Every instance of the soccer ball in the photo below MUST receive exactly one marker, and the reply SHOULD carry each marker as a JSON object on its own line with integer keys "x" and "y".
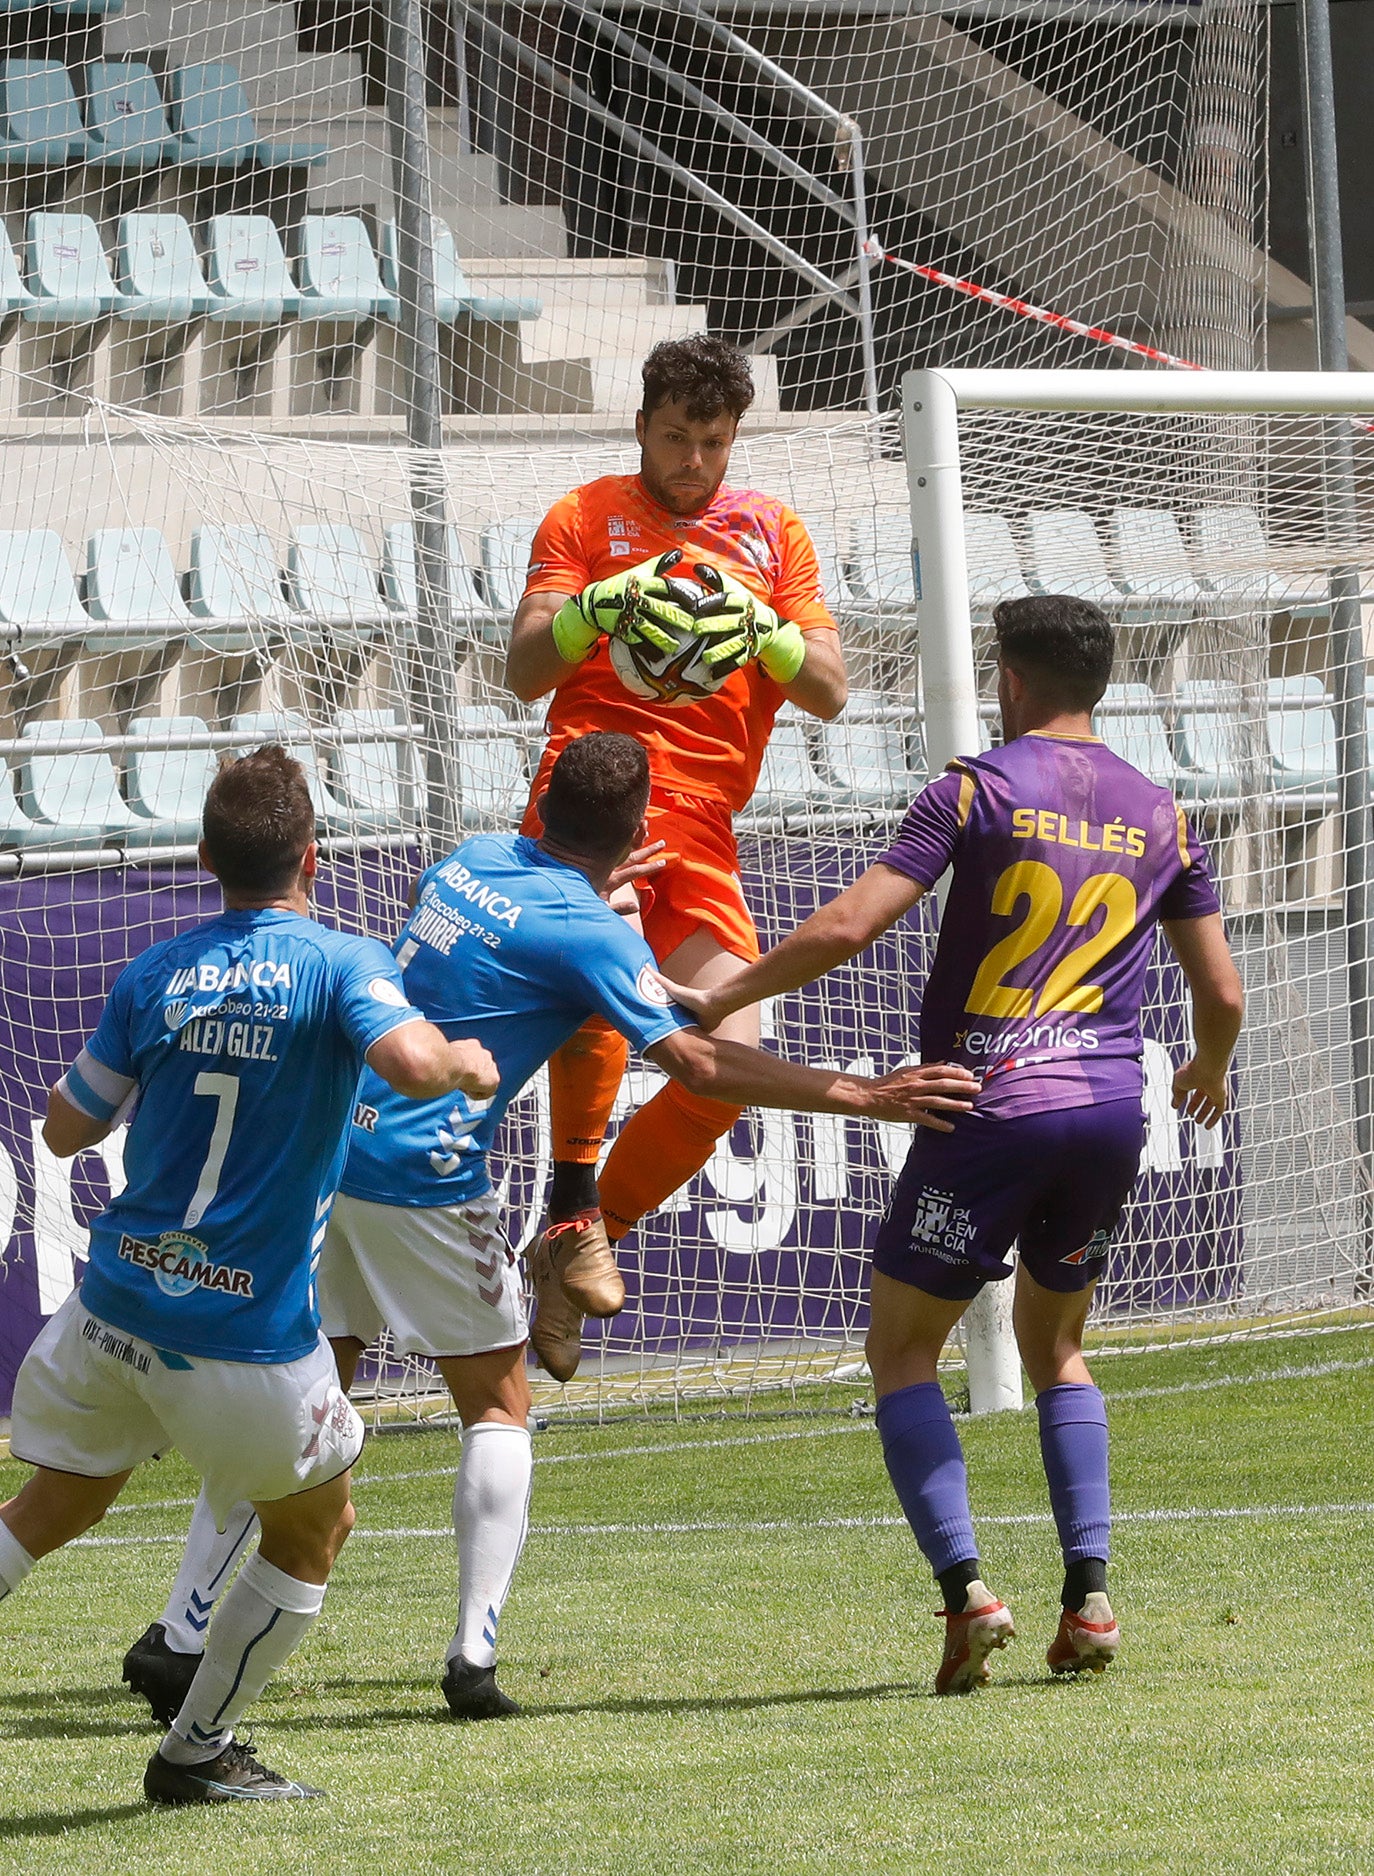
{"x": 674, "y": 677}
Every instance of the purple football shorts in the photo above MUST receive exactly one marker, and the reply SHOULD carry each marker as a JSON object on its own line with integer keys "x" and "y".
{"x": 1056, "y": 1181}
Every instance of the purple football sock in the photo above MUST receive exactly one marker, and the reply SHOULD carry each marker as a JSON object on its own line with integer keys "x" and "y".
{"x": 926, "y": 1465}
{"x": 1073, "y": 1445}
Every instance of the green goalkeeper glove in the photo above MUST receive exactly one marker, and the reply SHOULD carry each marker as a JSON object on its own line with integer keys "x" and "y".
{"x": 744, "y": 628}
{"x": 637, "y": 604}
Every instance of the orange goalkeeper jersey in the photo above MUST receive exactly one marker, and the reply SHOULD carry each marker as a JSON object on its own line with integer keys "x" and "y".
{"x": 712, "y": 747}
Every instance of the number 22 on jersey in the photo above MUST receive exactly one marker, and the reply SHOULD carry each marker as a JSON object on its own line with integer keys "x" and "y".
{"x": 1111, "y": 894}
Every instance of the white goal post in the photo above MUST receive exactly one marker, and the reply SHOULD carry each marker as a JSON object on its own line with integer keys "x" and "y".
{"x": 932, "y": 403}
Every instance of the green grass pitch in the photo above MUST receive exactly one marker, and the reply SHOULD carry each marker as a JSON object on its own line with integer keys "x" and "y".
{"x": 724, "y": 1645}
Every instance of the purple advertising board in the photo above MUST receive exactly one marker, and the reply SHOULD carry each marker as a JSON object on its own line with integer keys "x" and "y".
{"x": 766, "y": 1245}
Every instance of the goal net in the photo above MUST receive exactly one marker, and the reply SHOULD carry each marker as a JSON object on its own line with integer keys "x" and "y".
{"x": 208, "y": 371}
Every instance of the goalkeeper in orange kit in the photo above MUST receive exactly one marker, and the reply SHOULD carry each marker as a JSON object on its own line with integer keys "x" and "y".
{"x": 704, "y": 759}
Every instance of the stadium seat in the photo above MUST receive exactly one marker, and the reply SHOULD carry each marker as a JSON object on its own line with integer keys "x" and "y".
{"x": 400, "y": 581}
{"x": 453, "y": 298}
{"x": 132, "y": 591}
{"x": 1302, "y": 734}
{"x": 1066, "y": 557}
{"x": 16, "y": 829}
{"x": 234, "y": 589}
{"x": 994, "y": 566}
{"x": 158, "y": 273}
{"x": 789, "y": 781}
{"x": 72, "y": 794}
{"x": 40, "y": 120}
{"x": 332, "y": 581}
{"x": 336, "y": 273}
{"x": 250, "y": 282}
{"x": 882, "y": 569}
{"x": 214, "y": 129}
{"x": 1128, "y": 720}
{"x": 372, "y": 781}
{"x": 491, "y": 766}
{"x": 39, "y": 602}
{"x": 1237, "y": 566}
{"x": 869, "y": 760}
{"x": 69, "y": 276}
{"x": 505, "y": 558}
{"x": 1209, "y": 739}
{"x": 168, "y": 786}
{"x": 293, "y": 732}
{"x": 1152, "y": 566}
{"x": 126, "y": 125}
{"x": 14, "y": 295}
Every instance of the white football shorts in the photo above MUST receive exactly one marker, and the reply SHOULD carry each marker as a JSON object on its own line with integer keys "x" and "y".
{"x": 94, "y": 1400}
{"x": 442, "y": 1278}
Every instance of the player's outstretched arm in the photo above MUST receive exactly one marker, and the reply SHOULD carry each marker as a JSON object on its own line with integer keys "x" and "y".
{"x": 745, "y": 1077}
{"x": 420, "y": 1062}
{"x": 831, "y": 936}
{"x": 534, "y": 664}
{"x": 1199, "y": 944}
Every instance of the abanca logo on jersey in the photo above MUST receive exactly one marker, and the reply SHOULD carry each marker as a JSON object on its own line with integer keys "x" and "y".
{"x": 262, "y": 974}
{"x": 496, "y": 905}
{"x": 181, "y": 1264}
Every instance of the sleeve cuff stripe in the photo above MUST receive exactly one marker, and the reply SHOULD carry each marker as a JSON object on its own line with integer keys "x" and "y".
{"x": 80, "y": 1096}
{"x": 103, "y": 1082}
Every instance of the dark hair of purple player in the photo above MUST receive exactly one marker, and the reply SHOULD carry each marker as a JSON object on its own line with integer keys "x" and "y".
{"x": 258, "y": 821}
{"x": 1061, "y": 648}
{"x": 597, "y": 794}
{"x": 705, "y": 376}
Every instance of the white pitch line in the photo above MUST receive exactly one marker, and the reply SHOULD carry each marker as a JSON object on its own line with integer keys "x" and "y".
{"x": 1182, "y": 1514}
{"x": 1309, "y": 1371}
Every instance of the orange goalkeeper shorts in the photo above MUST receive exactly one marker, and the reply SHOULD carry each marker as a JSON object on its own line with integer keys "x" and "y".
{"x": 699, "y": 886}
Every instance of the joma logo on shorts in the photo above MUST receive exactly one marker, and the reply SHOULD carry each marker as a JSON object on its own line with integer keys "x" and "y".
{"x": 179, "y": 1266}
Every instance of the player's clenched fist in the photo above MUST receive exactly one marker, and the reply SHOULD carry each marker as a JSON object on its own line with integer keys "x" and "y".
{"x": 644, "y": 602}
{"x": 476, "y": 1070}
{"x": 744, "y": 628}
{"x": 925, "y": 1095}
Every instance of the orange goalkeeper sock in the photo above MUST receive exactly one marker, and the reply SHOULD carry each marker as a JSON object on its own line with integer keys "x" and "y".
{"x": 657, "y": 1150}
{"x": 584, "y": 1077}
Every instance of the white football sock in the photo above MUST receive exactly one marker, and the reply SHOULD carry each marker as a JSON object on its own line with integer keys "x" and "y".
{"x": 15, "y": 1561}
{"x": 206, "y": 1566}
{"x": 491, "y": 1505}
{"x": 264, "y": 1616}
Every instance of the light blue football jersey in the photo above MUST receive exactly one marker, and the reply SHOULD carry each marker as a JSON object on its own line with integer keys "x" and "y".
{"x": 243, "y": 1039}
{"x": 513, "y": 947}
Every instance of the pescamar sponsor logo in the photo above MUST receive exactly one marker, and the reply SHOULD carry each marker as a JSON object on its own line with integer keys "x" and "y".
{"x": 180, "y": 1265}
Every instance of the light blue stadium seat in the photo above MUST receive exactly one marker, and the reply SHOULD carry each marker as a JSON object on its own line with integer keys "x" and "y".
{"x": 1152, "y": 566}
{"x": 1128, "y": 720}
{"x": 453, "y": 297}
{"x": 869, "y": 760}
{"x": 132, "y": 590}
{"x": 491, "y": 767}
{"x": 1237, "y": 566}
{"x": 332, "y": 580}
{"x": 158, "y": 274}
{"x": 234, "y": 589}
{"x": 994, "y": 566}
{"x": 882, "y": 568}
{"x": 40, "y": 120}
{"x": 126, "y": 125}
{"x": 1209, "y": 738}
{"x": 293, "y": 732}
{"x": 69, "y": 276}
{"x": 1303, "y": 735}
{"x": 336, "y": 272}
{"x": 505, "y": 560}
{"x": 1066, "y": 557}
{"x": 214, "y": 127}
{"x": 400, "y": 579}
{"x": 789, "y": 782}
{"x": 250, "y": 282}
{"x": 107, "y": 7}
{"x": 16, "y": 829}
{"x": 166, "y": 786}
{"x": 72, "y": 794}
{"x": 14, "y": 295}
{"x": 39, "y": 602}
{"x": 372, "y": 781}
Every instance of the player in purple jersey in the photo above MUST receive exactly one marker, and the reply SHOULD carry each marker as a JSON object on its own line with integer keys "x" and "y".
{"x": 1064, "y": 859}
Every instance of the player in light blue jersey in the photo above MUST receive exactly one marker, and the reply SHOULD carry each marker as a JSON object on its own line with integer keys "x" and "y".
{"x": 511, "y": 942}
{"x": 237, "y": 1045}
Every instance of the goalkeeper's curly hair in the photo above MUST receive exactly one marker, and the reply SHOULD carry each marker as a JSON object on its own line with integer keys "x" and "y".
{"x": 703, "y": 374}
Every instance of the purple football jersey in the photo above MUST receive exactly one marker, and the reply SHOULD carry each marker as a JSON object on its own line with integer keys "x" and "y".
{"x": 1064, "y": 857}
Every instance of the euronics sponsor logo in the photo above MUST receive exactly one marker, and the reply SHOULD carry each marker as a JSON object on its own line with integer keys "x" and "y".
{"x": 181, "y": 1264}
